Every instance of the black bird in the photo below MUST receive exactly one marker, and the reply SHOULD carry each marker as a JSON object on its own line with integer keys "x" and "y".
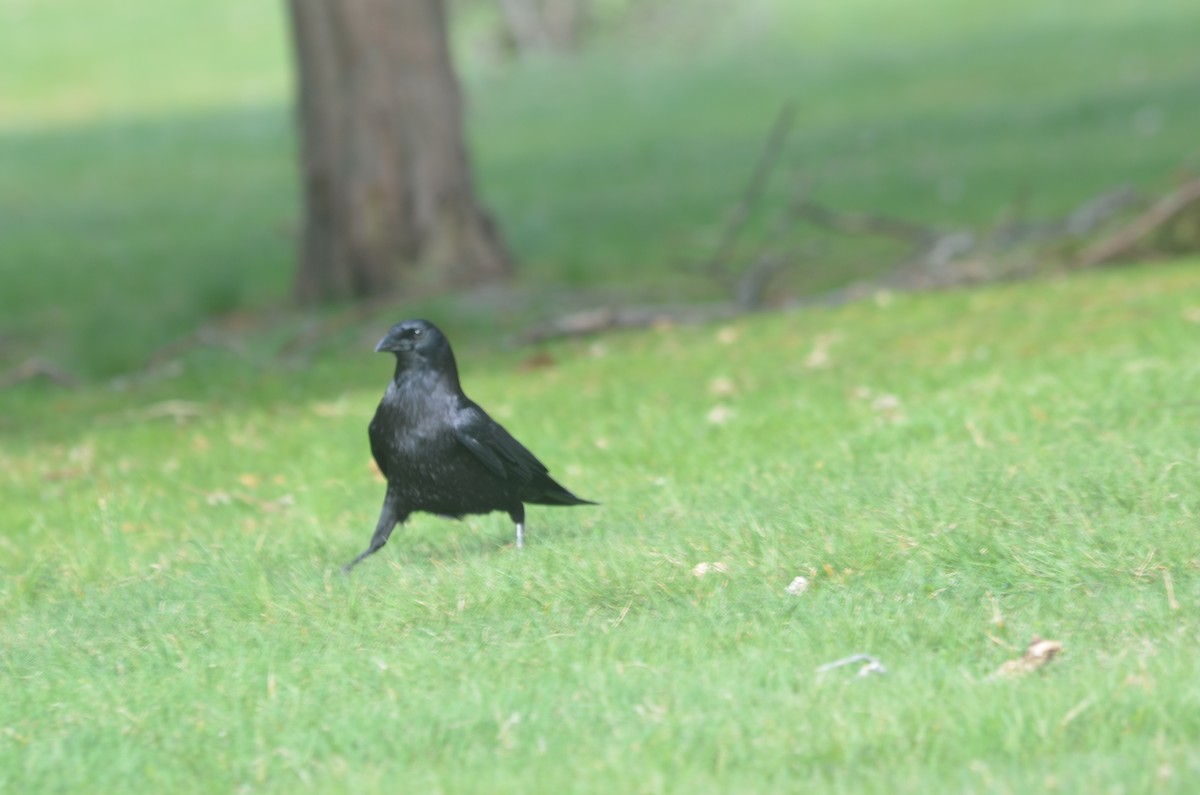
{"x": 440, "y": 452}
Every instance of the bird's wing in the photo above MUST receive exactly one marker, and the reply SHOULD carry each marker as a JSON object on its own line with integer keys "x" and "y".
{"x": 377, "y": 435}
{"x": 495, "y": 447}
{"x": 481, "y": 451}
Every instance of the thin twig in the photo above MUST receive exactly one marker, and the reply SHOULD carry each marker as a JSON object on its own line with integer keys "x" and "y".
{"x": 1169, "y": 584}
{"x": 873, "y": 665}
{"x": 1075, "y": 711}
{"x": 718, "y": 264}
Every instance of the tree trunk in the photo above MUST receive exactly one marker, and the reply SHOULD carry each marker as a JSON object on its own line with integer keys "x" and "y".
{"x": 389, "y": 203}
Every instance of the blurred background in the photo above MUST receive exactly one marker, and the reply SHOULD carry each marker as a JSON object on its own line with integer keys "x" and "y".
{"x": 630, "y": 152}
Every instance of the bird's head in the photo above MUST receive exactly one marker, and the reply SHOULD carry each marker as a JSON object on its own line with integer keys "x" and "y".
{"x": 419, "y": 345}
{"x": 412, "y": 338}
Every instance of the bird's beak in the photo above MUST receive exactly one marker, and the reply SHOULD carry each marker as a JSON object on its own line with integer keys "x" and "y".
{"x": 383, "y": 345}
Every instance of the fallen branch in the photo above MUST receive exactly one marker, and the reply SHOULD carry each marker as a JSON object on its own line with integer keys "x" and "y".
{"x": 595, "y": 321}
{"x": 717, "y": 265}
{"x": 937, "y": 260}
{"x": 1093, "y": 214}
{"x": 1123, "y": 242}
{"x": 1083, "y": 221}
{"x": 942, "y": 259}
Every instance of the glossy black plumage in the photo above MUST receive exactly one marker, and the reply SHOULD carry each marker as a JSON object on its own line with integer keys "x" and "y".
{"x": 439, "y": 451}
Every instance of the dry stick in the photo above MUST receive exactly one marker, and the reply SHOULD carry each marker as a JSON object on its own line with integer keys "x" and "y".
{"x": 739, "y": 214}
{"x": 1083, "y": 220}
{"x": 1127, "y": 237}
{"x": 937, "y": 257}
{"x": 1169, "y": 584}
{"x": 1098, "y": 210}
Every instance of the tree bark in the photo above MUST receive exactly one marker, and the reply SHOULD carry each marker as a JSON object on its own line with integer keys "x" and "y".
{"x": 389, "y": 202}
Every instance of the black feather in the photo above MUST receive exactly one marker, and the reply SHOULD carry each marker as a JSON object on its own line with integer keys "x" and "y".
{"x": 439, "y": 451}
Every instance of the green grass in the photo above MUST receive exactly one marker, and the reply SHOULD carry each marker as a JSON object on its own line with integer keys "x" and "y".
{"x": 953, "y": 473}
{"x": 148, "y": 183}
{"x": 174, "y": 618}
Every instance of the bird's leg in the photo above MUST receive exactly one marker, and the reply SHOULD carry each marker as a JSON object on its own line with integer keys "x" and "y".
{"x": 388, "y": 518}
{"x": 518, "y": 516}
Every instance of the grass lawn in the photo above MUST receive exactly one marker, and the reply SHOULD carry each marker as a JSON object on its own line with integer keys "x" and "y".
{"x": 952, "y": 473}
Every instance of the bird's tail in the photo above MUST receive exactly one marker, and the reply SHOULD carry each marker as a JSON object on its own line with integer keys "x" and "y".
{"x": 553, "y": 493}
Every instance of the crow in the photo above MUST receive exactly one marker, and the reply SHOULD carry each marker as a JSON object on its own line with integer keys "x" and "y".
{"x": 439, "y": 451}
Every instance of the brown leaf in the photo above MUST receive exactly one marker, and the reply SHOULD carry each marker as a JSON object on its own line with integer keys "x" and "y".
{"x": 1037, "y": 655}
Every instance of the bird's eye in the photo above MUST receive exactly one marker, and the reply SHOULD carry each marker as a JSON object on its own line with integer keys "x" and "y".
{"x": 418, "y": 332}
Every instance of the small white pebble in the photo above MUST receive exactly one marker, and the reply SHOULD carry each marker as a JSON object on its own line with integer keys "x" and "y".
{"x": 798, "y": 586}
